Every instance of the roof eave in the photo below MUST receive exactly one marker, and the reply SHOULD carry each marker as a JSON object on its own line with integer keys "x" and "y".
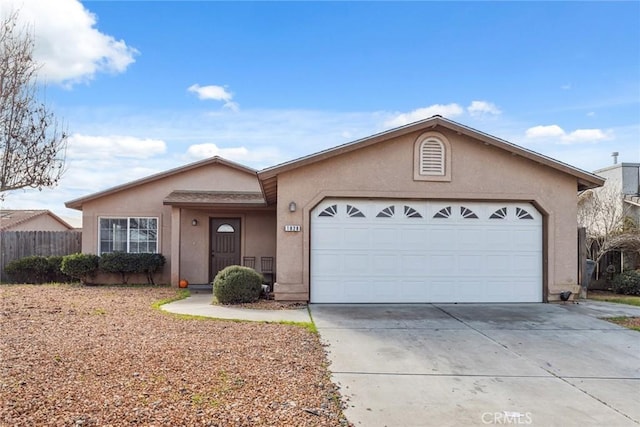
{"x": 77, "y": 203}
{"x": 585, "y": 179}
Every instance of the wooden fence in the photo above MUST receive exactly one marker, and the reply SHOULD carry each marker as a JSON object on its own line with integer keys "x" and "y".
{"x": 19, "y": 244}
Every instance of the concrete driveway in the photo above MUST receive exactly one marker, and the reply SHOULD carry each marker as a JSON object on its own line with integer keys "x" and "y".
{"x": 483, "y": 364}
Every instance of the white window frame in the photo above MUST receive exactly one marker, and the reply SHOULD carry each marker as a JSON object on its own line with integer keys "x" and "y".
{"x": 430, "y": 140}
{"x": 128, "y": 232}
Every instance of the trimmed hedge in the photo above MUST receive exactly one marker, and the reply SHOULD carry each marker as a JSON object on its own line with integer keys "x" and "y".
{"x": 31, "y": 269}
{"x": 80, "y": 266}
{"x": 237, "y": 284}
{"x": 627, "y": 283}
{"x": 125, "y": 264}
{"x": 55, "y": 270}
{"x": 40, "y": 269}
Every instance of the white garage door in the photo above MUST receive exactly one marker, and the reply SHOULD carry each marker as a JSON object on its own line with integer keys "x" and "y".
{"x": 368, "y": 251}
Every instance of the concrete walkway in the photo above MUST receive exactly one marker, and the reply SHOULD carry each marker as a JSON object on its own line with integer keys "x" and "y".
{"x": 199, "y": 304}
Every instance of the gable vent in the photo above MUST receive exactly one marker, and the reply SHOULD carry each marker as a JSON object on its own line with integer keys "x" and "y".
{"x": 432, "y": 157}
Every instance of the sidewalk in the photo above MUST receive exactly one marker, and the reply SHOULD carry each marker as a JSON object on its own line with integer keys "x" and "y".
{"x": 199, "y": 304}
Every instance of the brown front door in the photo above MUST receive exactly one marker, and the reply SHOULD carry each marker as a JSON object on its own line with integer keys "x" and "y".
{"x": 224, "y": 243}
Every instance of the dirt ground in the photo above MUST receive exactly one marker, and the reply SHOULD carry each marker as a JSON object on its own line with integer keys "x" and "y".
{"x": 93, "y": 356}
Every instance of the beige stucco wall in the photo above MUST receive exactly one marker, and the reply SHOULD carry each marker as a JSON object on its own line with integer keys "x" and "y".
{"x": 40, "y": 223}
{"x": 147, "y": 200}
{"x": 257, "y": 239}
{"x": 385, "y": 170}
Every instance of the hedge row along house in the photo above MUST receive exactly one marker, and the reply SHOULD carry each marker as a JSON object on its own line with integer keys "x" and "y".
{"x": 433, "y": 211}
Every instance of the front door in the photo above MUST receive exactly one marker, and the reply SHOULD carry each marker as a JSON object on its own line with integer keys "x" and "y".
{"x": 224, "y": 244}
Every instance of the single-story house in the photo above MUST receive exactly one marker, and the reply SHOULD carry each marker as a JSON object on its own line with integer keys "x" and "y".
{"x": 32, "y": 220}
{"x": 433, "y": 211}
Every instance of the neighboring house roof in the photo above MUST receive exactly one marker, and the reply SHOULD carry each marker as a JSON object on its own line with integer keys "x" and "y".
{"x": 632, "y": 200}
{"x": 268, "y": 176}
{"x": 77, "y": 203}
{"x": 12, "y": 218}
{"x": 215, "y": 198}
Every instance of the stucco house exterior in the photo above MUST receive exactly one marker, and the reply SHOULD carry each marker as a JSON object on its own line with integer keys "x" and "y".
{"x": 624, "y": 178}
{"x": 32, "y": 220}
{"x": 433, "y": 211}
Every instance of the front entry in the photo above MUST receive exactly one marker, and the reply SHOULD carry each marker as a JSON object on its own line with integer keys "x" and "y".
{"x": 224, "y": 244}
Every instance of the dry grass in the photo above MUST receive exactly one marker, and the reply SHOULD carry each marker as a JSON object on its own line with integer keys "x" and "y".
{"x": 85, "y": 356}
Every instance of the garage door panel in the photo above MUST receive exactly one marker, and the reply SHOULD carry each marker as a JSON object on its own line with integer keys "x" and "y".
{"x": 470, "y": 239}
{"x": 356, "y": 263}
{"x": 442, "y": 263}
{"x": 385, "y": 264}
{"x": 355, "y": 289}
{"x": 470, "y": 264}
{"x": 356, "y": 237}
{"x": 384, "y": 236}
{"x": 412, "y": 264}
{"x": 421, "y": 251}
{"x": 329, "y": 263}
{"x": 440, "y": 238}
{"x": 411, "y": 236}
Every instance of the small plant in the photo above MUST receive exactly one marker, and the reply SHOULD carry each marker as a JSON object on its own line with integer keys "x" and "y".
{"x": 80, "y": 266}
{"x": 236, "y": 284}
{"x": 627, "y": 283}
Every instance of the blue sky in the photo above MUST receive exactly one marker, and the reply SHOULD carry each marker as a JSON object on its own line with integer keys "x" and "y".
{"x": 145, "y": 86}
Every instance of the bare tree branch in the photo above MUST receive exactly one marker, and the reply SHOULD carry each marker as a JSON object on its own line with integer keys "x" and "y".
{"x": 32, "y": 146}
{"x": 605, "y": 216}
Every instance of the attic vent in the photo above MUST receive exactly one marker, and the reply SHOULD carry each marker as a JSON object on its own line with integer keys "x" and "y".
{"x": 432, "y": 157}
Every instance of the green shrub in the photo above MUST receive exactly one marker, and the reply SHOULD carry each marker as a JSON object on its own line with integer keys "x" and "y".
{"x": 125, "y": 264}
{"x": 121, "y": 263}
{"x": 627, "y": 283}
{"x": 55, "y": 270}
{"x": 149, "y": 264}
{"x": 31, "y": 269}
{"x": 80, "y": 266}
{"x": 237, "y": 284}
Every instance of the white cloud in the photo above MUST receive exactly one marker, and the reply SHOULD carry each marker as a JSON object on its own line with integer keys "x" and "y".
{"x": 586, "y": 135}
{"x": 448, "y": 111}
{"x": 216, "y": 93}
{"x": 265, "y": 155}
{"x": 566, "y": 86}
{"x": 480, "y": 108}
{"x": 576, "y": 136}
{"x": 87, "y": 146}
{"x": 67, "y": 43}
{"x": 551, "y": 131}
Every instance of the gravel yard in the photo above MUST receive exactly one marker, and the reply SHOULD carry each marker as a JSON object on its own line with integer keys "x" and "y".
{"x": 89, "y": 356}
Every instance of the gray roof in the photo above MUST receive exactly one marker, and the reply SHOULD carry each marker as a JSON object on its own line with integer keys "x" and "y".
{"x": 12, "y": 218}
{"x": 215, "y": 198}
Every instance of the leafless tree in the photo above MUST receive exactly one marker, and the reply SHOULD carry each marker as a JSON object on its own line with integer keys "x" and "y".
{"x": 605, "y": 216}
{"x": 32, "y": 146}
